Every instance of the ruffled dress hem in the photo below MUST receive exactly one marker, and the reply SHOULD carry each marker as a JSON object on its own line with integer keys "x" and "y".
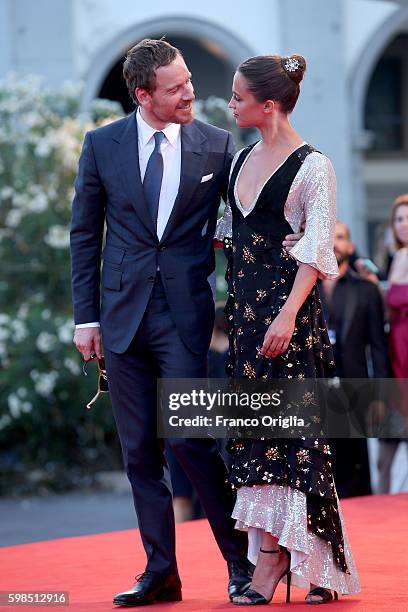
{"x": 282, "y": 512}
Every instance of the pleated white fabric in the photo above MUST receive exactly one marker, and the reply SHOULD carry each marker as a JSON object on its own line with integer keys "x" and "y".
{"x": 281, "y": 511}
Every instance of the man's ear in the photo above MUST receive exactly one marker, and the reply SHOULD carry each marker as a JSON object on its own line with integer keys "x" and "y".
{"x": 143, "y": 96}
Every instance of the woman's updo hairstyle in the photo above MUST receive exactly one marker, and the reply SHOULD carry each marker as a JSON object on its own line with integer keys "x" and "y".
{"x": 274, "y": 77}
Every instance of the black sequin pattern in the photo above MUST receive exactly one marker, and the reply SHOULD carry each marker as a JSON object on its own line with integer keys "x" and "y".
{"x": 260, "y": 276}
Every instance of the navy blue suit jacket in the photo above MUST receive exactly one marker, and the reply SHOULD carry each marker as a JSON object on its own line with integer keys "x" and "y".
{"x": 108, "y": 192}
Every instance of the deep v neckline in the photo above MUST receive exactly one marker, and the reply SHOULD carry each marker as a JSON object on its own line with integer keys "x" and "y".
{"x": 245, "y": 211}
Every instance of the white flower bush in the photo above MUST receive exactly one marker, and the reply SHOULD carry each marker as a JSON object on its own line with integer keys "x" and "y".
{"x": 45, "y": 342}
{"x": 57, "y": 237}
{"x": 42, "y": 392}
{"x": 215, "y": 110}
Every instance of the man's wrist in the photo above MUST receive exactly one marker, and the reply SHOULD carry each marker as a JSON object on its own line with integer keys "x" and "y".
{"x": 85, "y": 325}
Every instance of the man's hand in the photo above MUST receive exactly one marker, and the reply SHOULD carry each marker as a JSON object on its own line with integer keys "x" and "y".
{"x": 292, "y": 239}
{"x": 88, "y": 342}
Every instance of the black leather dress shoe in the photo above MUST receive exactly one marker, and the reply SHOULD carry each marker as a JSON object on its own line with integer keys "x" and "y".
{"x": 240, "y": 575}
{"x": 151, "y": 587}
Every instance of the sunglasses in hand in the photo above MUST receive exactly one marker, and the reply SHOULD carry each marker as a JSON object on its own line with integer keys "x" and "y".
{"x": 102, "y": 380}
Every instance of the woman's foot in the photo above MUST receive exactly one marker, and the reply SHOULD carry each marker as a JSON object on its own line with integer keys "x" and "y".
{"x": 272, "y": 565}
{"x": 319, "y": 595}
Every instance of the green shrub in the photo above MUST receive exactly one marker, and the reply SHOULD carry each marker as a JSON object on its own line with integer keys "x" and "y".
{"x": 47, "y": 437}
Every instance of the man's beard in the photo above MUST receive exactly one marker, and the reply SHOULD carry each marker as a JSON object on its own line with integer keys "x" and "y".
{"x": 341, "y": 257}
{"x": 188, "y": 118}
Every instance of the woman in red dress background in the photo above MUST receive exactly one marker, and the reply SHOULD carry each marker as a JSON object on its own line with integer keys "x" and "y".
{"x": 397, "y": 301}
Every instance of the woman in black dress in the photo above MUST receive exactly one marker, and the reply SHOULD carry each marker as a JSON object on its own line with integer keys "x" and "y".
{"x": 286, "y": 497}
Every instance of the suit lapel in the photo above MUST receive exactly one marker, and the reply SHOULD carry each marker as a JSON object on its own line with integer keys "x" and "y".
{"x": 351, "y": 305}
{"x": 126, "y": 158}
{"x": 194, "y": 153}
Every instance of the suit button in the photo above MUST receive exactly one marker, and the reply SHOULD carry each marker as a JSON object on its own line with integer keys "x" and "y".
{"x": 163, "y": 248}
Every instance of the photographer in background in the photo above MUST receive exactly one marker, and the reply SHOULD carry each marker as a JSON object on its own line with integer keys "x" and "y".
{"x": 354, "y": 314}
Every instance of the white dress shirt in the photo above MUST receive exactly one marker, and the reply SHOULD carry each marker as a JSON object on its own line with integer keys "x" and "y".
{"x": 170, "y": 149}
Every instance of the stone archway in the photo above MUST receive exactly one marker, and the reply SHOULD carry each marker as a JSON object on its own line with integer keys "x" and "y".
{"x": 364, "y": 65}
{"x": 223, "y": 45}
{"x": 358, "y": 81}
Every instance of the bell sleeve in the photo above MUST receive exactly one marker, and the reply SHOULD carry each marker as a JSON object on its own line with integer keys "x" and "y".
{"x": 318, "y": 199}
{"x": 224, "y": 225}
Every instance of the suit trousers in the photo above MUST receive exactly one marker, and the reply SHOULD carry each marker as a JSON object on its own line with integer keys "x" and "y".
{"x": 158, "y": 351}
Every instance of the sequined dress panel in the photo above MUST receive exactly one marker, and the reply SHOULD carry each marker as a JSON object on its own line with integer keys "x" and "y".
{"x": 260, "y": 275}
{"x": 282, "y": 511}
{"x": 312, "y": 194}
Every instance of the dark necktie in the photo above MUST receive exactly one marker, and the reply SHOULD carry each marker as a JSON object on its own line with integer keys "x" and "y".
{"x": 153, "y": 177}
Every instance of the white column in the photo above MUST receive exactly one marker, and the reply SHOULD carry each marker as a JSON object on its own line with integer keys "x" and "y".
{"x": 41, "y": 39}
{"x": 316, "y": 30}
{"x": 5, "y": 38}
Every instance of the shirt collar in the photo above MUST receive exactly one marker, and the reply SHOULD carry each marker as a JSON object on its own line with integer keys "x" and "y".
{"x": 347, "y": 277}
{"x": 146, "y": 131}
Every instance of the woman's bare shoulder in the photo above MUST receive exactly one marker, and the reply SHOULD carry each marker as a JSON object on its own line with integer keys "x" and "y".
{"x": 399, "y": 267}
{"x": 401, "y": 256}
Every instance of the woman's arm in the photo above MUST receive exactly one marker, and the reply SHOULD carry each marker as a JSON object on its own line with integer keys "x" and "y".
{"x": 280, "y": 331}
{"x": 314, "y": 252}
{"x": 317, "y": 197}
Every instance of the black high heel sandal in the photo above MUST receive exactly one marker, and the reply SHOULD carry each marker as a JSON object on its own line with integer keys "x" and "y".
{"x": 325, "y": 595}
{"x": 255, "y": 598}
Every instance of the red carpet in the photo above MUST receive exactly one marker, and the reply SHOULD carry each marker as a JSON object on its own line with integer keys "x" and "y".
{"x": 93, "y": 568}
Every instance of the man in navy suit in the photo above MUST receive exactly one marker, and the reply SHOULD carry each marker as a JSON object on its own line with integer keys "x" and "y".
{"x": 154, "y": 179}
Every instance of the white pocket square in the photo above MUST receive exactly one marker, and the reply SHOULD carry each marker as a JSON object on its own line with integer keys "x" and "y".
{"x": 207, "y": 177}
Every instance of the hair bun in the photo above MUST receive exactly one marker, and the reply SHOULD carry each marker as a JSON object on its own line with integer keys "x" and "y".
{"x": 294, "y": 66}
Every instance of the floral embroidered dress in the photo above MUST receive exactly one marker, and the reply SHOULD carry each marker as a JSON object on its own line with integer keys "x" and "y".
{"x": 285, "y": 486}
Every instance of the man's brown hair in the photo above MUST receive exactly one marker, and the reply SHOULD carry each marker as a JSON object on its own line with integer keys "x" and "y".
{"x": 142, "y": 61}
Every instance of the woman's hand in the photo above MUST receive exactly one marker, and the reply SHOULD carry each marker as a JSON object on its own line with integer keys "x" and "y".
{"x": 279, "y": 334}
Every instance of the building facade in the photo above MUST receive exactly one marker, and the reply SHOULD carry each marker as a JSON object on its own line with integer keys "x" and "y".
{"x": 354, "y": 100}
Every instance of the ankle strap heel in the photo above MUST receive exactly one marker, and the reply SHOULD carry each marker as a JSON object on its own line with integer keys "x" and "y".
{"x": 269, "y": 551}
